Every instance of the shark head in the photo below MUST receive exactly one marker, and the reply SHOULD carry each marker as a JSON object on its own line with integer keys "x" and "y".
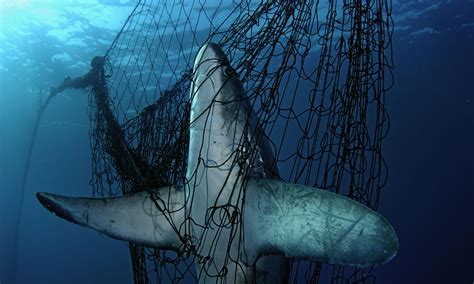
{"x": 231, "y": 169}
{"x": 220, "y": 108}
{"x": 212, "y": 73}
{"x": 219, "y": 116}
{"x": 215, "y": 83}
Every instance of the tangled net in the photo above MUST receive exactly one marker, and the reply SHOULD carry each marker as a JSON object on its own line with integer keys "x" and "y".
{"x": 316, "y": 74}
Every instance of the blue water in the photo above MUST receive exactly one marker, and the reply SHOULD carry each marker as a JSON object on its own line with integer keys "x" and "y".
{"x": 428, "y": 199}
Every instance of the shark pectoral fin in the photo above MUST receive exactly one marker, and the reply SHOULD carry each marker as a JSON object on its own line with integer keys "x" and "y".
{"x": 307, "y": 223}
{"x": 146, "y": 218}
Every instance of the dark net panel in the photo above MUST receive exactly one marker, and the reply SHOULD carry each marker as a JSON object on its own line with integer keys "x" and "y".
{"x": 317, "y": 74}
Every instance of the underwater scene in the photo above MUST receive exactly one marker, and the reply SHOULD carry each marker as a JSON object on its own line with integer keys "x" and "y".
{"x": 210, "y": 141}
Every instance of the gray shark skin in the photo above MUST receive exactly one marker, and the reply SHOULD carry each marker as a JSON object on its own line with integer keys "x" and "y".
{"x": 223, "y": 126}
{"x": 116, "y": 217}
{"x": 244, "y": 222}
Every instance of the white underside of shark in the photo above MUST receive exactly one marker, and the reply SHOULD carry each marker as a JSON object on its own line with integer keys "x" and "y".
{"x": 244, "y": 222}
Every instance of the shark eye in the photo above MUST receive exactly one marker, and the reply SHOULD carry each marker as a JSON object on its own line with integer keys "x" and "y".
{"x": 229, "y": 71}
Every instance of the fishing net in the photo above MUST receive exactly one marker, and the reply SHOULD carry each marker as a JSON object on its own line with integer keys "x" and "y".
{"x": 316, "y": 74}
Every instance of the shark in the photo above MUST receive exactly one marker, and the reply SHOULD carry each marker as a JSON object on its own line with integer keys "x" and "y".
{"x": 234, "y": 212}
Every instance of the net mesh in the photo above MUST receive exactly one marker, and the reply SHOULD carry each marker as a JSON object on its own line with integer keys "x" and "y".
{"x": 316, "y": 74}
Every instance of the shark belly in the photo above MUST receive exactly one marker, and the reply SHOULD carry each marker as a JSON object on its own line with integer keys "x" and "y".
{"x": 222, "y": 130}
{"x": 214, "y": 191}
